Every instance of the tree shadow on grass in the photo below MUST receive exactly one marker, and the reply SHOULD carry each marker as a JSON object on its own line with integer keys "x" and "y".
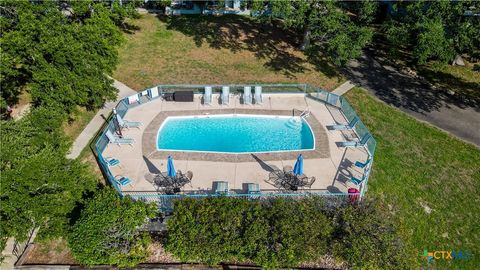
{"x": 402, "y": 90}
{"x": 239, "y": 33}
{"x": 129, "y": 28}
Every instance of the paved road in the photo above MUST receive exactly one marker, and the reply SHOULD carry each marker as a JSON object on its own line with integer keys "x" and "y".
{"x": 413, "y": 95}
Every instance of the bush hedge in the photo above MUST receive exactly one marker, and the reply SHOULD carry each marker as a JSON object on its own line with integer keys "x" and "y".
{"x": 107, "y": 231}
{"x": 281, "y": 233}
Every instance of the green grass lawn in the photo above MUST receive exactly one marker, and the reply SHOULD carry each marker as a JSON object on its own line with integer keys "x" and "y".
{"x": 79, "y": 120}
{"x": 216, "y": 50}
{"x": 419, "y": 166}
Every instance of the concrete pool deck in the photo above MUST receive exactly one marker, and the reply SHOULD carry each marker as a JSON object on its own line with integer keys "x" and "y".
{"x": 332, "y": 166}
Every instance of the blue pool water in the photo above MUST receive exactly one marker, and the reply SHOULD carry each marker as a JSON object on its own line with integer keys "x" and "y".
{"x": 235, "y": 134}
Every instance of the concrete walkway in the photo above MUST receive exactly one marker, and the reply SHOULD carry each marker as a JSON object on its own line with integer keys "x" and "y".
{"x": 92, "y": 128}
{"x": 10, "y": 259}
{"x": 344, "y": 88}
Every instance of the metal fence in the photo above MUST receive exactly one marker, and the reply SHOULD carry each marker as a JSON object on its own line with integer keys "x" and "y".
{"x": 165, "y": 201}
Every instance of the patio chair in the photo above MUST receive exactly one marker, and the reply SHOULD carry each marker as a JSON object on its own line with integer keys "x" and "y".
{"x": 112, "y": 162}
{"x": 123, "y": 181}
{"x": 253, "y": 188}
{"x": 258, "y": 95}
{"x": 287, "y": 169}
{"x": 360, "y": 143}
{"x": 153, "y": 93}
{"x": 357, "y": 181}
{"x": 221, "y": 187}
{"x": 207, "y": 97}
{"x": 225, "y": 95}
{"x": 127, "y": 124}
{"x": 247, "y": 95}
{"x": 310, "y": 182}
{"x": 348, "y": 126}
{"x": 189, "y": 175}
{"x": 116, "y": 140}
{"x": 362, "y": 165}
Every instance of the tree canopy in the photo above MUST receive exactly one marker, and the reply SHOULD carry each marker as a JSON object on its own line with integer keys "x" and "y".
{"x": 435, "y": 30}
{"x": 40, "y": 186}
{"x": 61, "y": 52}
{"x": 339, "y": 28}
{"x": 107, "y": 231}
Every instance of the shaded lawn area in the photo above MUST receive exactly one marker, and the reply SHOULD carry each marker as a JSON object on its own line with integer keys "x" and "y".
{"x": 418, "y": 167}
{"x": 216, "y": 50}
{"x": 462, "y": 82}
{"x": 79, "y": 120}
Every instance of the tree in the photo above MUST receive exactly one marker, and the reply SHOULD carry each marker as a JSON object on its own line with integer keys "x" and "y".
{"x": 40, "y": 186}
{"x": 366, "y": 239}
{"x": 434, "y": 29}
{"x": 62, "y": 54}
{"x": 107, "y": 231}
{"x": 339, "y": 28}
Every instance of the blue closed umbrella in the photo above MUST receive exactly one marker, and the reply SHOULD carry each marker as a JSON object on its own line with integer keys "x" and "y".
{"x": 298, "y": 168}
{"x": 170, "y": 168}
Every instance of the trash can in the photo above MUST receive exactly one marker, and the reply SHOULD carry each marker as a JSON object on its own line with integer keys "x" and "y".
{"x": 353, "y": 194}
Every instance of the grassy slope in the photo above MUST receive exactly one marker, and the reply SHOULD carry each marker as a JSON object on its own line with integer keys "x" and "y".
{"x": 210, "y": 50}
{"x": 417, "y": 165}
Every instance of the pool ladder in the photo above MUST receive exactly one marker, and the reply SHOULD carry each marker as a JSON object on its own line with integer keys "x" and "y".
{"x": 305, "y": 113}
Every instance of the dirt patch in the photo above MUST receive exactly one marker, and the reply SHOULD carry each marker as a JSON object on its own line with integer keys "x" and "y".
{"x": 51, "y": 252}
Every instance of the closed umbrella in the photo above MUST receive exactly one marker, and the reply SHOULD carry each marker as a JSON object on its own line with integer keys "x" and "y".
{"x": 298, "y": 168}
{"x": 170, "y": 168}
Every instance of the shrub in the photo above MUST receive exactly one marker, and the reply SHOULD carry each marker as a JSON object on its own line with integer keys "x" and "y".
{"x": 366, "y": 239}
{"x": 107, "y": 231}
{"x": 207, "y": 230}
{"x": 273, "y": 234}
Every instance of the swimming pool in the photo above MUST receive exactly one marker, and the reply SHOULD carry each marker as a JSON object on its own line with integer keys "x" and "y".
{"x": 235, "y": 134}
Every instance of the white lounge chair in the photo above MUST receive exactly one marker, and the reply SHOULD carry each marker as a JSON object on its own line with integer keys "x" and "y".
{"x": 258, "y": 95}
{"x": 247, "y": 95}
{"x": 127, "y": 124}
{"x": 347, "y": 126}
{"x": 225, "y": 95}
{"x": 153, "y": 93}
{"x": 117, "y": 140}
{"x": 207, "y": 97}
{"x": 361, "y": 143}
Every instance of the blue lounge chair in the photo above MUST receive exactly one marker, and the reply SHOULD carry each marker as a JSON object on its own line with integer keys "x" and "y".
{"x": 207, "y": 97}
{"x": 112, "y": 162}
{"x": 123, "y": 181}
{"x": 258, "y": 95}
{"x": 225, "y": 95}
{"x": 253, "y": 188}
{"x": 357, "y": 181}
{"x": 127, "y": 124}
{"x": 348, "y": 126}
{"x": 362, "y": 165}
{"x": 222, "y": 187}
{"x": 117, "y": 140}
{"x": 247, "y": 95}
{"x": 360, "y": 143}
